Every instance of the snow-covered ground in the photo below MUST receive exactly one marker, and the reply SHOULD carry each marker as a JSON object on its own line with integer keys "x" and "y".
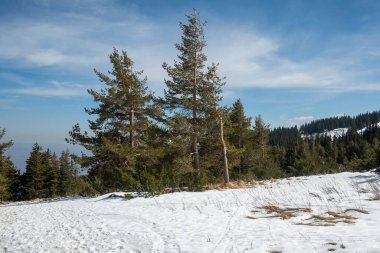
{"x": 213, "y": 221}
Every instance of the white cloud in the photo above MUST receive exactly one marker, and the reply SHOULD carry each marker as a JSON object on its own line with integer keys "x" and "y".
{"x": 253, "y": 60}
{"x": 46, "y": 58}
{"x": 299, "y": 120}
{"x": 55, "y": 89}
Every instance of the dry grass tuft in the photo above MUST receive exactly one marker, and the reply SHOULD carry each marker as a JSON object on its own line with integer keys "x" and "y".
{"x": 5, "y": 202}
{"x": 331, "y": 218}
{"x": 231, "y": 185}
{"x": 341, "y": 216}
{"x": 356, "y": 210}
{"x": 349, "y": 221}
{"x": 316, "y": 224}
{"x": 283, "y": 213}
{"x": 376, "y": 197}
{"x": 252, "y": 183}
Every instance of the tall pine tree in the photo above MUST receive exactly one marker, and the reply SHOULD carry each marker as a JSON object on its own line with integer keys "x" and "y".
{"x": 34, "y": 174}
{"x": 9, "y": 176}
{"x": 192, "y": 89}
{"x": 124, "y": 118}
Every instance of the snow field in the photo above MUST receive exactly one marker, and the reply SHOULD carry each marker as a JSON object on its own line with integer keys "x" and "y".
{"x": 211, "y": 221}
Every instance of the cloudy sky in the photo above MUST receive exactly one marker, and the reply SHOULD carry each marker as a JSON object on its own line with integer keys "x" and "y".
{"x": 290, "y": 61}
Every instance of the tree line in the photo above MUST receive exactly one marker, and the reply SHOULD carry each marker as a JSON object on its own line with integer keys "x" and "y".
{"x": 46, "y": 175}
{"x": 322, "y": 154}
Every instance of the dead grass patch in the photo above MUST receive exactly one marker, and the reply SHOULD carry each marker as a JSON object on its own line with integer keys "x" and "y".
{"x": 315, "y": 224}
{"x": 5, "y": 202}
{"x": 330, "y": 218}
{"x": 356, "y": 210}
{"x": 231, "y": 185}
{"x": 283, "y": 213}
{"x": 375, "y": 198}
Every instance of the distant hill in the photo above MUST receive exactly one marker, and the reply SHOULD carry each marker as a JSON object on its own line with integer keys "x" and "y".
{"x": 333, "y": 127}
{"x": 357, "y": 122}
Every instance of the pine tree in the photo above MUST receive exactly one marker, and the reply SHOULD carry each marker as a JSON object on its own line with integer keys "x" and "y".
{"x": 34, "y": 180}
{"x": 125, "y": 116}
{"x": 6, "y": 167}
{"x": 215, "y": 117}
{"x": 51, "y": 175}
{"x": 64, "y": 174}
{"x": 190, "y": 92}
{"x": 263, "y": 163}
{"x": 239, "y": 134}
{"x": 69, "y": 183}
{"x": 240, "y": 125}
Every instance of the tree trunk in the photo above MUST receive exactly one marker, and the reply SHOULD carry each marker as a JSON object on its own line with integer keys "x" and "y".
{"x": 195, "y": 129}
{"x": 131, "y": 123}
{"x": 225, "y": 161}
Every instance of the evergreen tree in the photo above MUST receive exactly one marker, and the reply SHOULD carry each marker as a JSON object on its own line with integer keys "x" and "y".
{"x": 239, "y": 134}
{"x": 64, "y": 174}
{"x": 215, "y": 118}
{"x": 6, "y": 170}
{"x": 263, "y": 163}
{"x": 51, "y": 175}
{"x": 34, "y": 176}
{"x": 240, "y": 125}
{"x": 125, "y": 118}
{"x": 69, "y": 182}
{"x": 192, "y": 89}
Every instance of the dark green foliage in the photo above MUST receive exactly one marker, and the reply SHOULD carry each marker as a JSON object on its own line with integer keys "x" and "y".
{"x": 69, "y": 182}
{"x": 125, "y": 133}
{"x": 48, "y": 176}
{"x": 284, "y": 137}
{"x": 239, "y": 134}
{"x": 193, "y": 93}
{"x": 354, "y": 151}
{"x": 240, "y": 126}
{"x": 192, "y": 101}
{"x": 35, "y": 165}
{"x": 9, "y": 176}
{"x": 263, "y": 165}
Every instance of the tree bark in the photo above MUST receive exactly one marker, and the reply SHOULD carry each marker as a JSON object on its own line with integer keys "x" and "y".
{"x": 225, "y": 161}
{"x": 131, "y": 124}
{"x": 195, "y": 129}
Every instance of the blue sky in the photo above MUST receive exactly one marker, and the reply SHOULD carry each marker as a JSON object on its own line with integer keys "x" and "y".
{"x": 290, "y": 61}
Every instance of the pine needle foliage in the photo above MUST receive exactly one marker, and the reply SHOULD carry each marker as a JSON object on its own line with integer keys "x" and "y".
{"x": 125, "y": 116}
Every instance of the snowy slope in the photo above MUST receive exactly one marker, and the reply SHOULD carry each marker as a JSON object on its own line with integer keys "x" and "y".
{"x": 363, "y": 130}
{"x": 211, "y": 221}
{"x": 335, "y": 133}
